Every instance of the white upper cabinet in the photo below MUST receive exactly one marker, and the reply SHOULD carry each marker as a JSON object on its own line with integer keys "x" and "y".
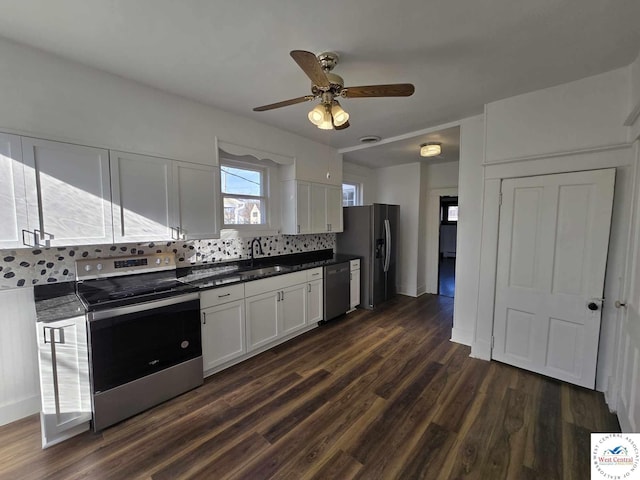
{"x": 311, "y": 208}
{"x": 196, "y": 190}
{"x": 296, "y": 207}
{"x": 143, "y": 207}
{"x": 67, "y": 192}
{"x": 13, "y": 206}
{"x": 333, "y": 202}
{"x": 160, "y": 199}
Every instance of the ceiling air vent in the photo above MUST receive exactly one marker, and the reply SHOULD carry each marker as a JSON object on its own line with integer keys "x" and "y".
{"x": 370, "y": 139}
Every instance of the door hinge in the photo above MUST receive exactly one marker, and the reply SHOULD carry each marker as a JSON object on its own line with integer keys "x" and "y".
{"x": 500, "y": 198}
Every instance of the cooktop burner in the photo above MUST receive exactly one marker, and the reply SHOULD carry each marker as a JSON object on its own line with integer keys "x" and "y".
{"x": 125, "y": 281}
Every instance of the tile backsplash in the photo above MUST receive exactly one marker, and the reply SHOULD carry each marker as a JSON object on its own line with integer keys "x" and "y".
{"x": 27, "y": 267}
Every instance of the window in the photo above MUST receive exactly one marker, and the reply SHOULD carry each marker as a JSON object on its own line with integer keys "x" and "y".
{"x": 244, "y": 194}
{"x": 350, "y": 194}
{"x": 452, "y": 213}
{"x": 449, "y": 210}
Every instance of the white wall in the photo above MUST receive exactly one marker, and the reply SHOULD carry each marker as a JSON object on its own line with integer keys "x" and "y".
{"x": 400, "y": 185}
{"x": 470, "y": 190}
{"x": 623, "y": 393}
{"x": 441, "y": 175}
{"x": 581, "y": 115}
{"x": 19, "y": 381}
{"x": 366, "y": 177}
{"x": 47, "y": 96}
{"x": 580, "y": 127}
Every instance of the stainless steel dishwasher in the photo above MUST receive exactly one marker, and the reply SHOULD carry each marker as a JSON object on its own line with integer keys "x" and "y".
{"x": 336, "y": 290}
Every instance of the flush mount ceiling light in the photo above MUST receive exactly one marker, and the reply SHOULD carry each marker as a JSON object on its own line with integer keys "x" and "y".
{"x": 430, "y": 149}
{"x": 327, "y": 86}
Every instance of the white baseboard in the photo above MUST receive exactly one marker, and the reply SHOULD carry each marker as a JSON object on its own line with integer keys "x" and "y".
{"x": 464, "y": 337}
{"x": 481, "y": 349}
{"x": 17, "y": 410}
{"x": 422, "y": 289}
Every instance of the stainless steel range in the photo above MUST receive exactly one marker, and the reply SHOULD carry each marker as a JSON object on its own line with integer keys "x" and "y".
{"x": 143, "y": 333}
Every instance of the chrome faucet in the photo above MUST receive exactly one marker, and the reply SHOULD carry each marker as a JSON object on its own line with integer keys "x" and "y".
{"x": 251, "y": 248}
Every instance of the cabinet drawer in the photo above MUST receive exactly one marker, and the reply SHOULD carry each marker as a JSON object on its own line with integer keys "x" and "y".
{"x": 218, "y": 296}
{"x": 276, "y": 282}
{"x": 314, "y": 273}
{"x": 355, "y": 264}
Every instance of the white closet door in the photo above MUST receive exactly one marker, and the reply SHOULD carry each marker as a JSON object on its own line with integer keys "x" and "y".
{"x": 552, "y": 252}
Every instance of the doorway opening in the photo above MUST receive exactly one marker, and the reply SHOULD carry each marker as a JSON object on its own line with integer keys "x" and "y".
{"x": 447, "y": 245}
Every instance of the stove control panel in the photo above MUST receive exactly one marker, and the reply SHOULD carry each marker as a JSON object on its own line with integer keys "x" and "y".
{"x": 87, "y": 269}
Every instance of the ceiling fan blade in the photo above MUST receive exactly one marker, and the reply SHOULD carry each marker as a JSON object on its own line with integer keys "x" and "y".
{"x": 343, "y": 126}
{"x": 284, "y": 103}
{"x": 309, "y": 64}
{"x": 392, "y": 90}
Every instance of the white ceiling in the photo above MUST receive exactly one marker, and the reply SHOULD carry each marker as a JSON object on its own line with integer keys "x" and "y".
{"x": 235, "y": 55}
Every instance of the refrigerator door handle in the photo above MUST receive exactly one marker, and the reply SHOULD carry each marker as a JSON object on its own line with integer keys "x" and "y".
{"x": 387, "y": 247}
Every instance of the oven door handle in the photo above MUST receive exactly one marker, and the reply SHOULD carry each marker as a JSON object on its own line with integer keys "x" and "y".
{"x": 141, "y": 307}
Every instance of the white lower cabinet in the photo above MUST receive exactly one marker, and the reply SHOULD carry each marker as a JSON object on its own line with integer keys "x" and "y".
{"x": 293, "y": 308}
{"x": 355, "y": 284}
{"x": 223, "y": 333}
{"x": 242, "y": 318}
{"x": 262, "y": 319}
{"x": 315, "y": 300}
{"x": 64, "y": 379}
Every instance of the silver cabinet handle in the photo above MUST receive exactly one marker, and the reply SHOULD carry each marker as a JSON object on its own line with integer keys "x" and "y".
{"x": 619, "y": 304}
{"x": 54, "y": 360}
{"x": 309, "y": 285}
{"x": 225, "y": 295}
{"x": 315, "y": 274}
{"x": 282, "y": 297}
{"x": 298, "y": 228}
{"x": 278, "y": 297}
{"x": 204, "y": 318}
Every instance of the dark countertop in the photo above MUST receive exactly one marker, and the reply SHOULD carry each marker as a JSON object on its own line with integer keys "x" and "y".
{"x": 59, "y": 301}
{"x": 223, "y": 274}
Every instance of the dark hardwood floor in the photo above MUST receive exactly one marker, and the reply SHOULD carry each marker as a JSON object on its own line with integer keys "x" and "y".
{"x": 375, "y": 395}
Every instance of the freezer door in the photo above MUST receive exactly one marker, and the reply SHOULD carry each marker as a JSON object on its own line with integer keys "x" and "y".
{"x": 393, "y": 217}
{"x": 378, "y": 275}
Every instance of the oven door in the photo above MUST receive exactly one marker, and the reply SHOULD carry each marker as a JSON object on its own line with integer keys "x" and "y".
{"x": 134, "y": 341}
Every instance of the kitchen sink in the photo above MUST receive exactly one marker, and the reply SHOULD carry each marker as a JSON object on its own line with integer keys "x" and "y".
{"x": 265, "y": 270}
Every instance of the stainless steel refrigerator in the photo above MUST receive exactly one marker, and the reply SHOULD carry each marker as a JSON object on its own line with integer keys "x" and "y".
{"x": 370, "y": 232}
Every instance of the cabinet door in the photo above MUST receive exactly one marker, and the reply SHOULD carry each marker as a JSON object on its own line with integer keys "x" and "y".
{"x": 196, "y": 189}
{"x": 355, "y": 288}
{"x": 64, "y": 379}
{"x": 13, "y": 206}
{"x": 315, "y": 297}
{"x": 319, "y": 222}
{"x": 262, "y": 312}
{"x": 68, "y": 193}
{"x": 303, "y": 207}
{"x": 223, "y": 335}
{"x": 334, "y": 208}
{"x": 293, "y": 308}
{"x": 143, "y": 201}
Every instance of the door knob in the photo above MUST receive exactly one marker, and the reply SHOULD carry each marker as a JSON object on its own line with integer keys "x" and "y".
{"x": 592, "y": 306}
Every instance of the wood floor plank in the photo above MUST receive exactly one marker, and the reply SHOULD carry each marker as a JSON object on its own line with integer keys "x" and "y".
{"x": 379, "y": 394}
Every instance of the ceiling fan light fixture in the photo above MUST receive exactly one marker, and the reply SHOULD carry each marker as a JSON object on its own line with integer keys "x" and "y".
{"x": 430, "y": 149}
{"x": 317, "y": 114}
{"x": 340, "y": 117}
{"x": 326, "y": 123}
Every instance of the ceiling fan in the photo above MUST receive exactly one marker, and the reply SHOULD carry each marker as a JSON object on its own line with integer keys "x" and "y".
{"x": 328, "y": 86}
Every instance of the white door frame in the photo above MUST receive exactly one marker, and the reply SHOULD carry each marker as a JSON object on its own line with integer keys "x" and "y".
{"x": 488, "y": 237}
{"x": 433, "y": 235}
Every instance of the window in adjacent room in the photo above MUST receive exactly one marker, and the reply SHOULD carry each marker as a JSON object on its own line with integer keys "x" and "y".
{"x": 350, "y": 194}
{"x": 449, "y": 210}
{"x": 244, "y": 194}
